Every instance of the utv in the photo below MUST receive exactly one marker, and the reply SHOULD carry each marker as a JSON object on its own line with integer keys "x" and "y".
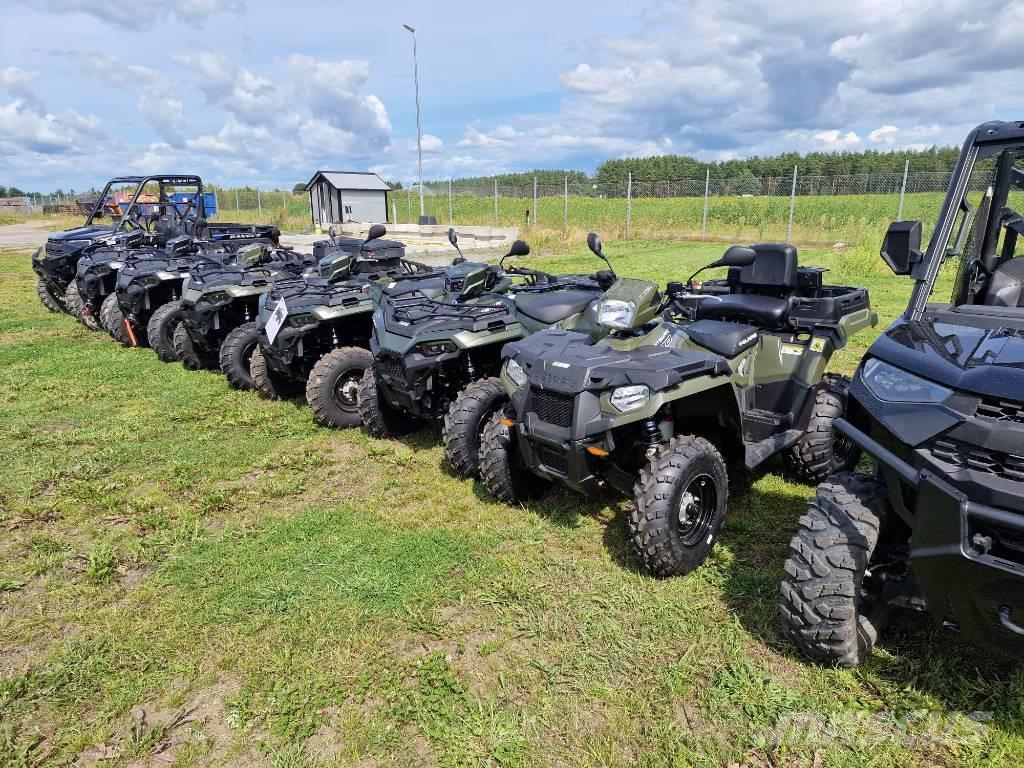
{"x": 220, "y": 303}
{"x": 156, "y": 207}
{"x": 314, "y": 330}
{"x": 657, "y": 407}
{"x": 428, "y": 349}
{"x": 938, "y": 405}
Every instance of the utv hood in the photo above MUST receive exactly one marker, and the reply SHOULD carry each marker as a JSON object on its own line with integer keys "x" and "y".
{"x": 983, "y": 361}
{"x": 80, "y": 233}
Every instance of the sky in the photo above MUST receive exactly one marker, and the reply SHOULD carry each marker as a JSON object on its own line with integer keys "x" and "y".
{"x": 265, "y": 93}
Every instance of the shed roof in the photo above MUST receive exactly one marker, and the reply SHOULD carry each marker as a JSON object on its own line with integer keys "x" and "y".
{"x": 350, "y": 180}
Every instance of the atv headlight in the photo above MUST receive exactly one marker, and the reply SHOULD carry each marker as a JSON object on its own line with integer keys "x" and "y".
{"x": 163, "y": 274}
{"x": 887, "y": 382}
{"x": 435, "y": 348}
{"x": 615, "y": 313}
{"x": 116, "y": 264}
{"x": 516, "y": 373}
{"x": 215, "y": 297}
{"x": 304, "y": 318}
{"x": 631, "y": 397}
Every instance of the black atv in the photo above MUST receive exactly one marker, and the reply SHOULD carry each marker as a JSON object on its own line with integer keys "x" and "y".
{"x": 56, "y": 263}
{"x": 314, "y": 330}
{"x": 219, "y": 306}
{"x": 938, "y": 404}
{"x": 728, "y": 370}
{"x": 146, "y": 307}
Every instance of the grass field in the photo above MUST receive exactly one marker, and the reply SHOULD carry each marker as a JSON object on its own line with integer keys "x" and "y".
{"x": 192, "y": 576}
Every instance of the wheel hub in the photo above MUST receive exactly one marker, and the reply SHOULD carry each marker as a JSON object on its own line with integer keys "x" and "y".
{"x": 696, "y": 509}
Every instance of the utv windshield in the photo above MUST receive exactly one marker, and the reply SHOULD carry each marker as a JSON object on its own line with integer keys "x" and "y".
{"x": 138, "y": 203}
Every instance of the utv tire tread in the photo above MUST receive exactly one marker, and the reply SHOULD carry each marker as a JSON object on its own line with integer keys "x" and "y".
{"x": 270, "y": 385}
{"x": 321, "y": 383}
{"x": 233, "y": 359}
{"x": 821, "y": 608}
{"x": 461, "y": 430}
{"x": 113, "y": 320}
{"x": 379, "y": 418}
{"x": 160, "y": 330}
{"x": 653, "y": 512}
{"x": 73, "y": 300}
{"x": 187, "y": 353}
{"x": 811, "y": 460}
{"x": 49, "y": 299}
{"x": 501, "y": 476}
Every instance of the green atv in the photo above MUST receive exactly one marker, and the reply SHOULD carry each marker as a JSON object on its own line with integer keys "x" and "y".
{"x": 428, "y": 349}
{"x": 657, "y": 408}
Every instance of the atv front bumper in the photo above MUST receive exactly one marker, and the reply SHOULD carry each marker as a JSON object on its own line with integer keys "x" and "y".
{"x": 409, "y": 382}
{"x": 971, "y": 583}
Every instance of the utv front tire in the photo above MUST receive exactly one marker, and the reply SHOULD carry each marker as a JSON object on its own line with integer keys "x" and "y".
{"x": 465, "y": 421}
{"x": 333, "y": 387}
{"x": 501, "y": 467}
{"x": 821, "y": 450}
{"x": 160, "y": 330}
{"x": 113, "y": 321}
{"x": 75, "y": 305}
{"x": 236, "y": 354}
{"x": 379, "y": 417}
{"x": 269, "y": 384}
{"x": 825, "y": 609}
{"x": 678, "y": 506}
{"x": 188, "y": 354}
{"x": 48, "y": 297}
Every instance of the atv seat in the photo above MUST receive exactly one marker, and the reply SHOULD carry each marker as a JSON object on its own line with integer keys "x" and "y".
{"x": 773, "y": 269}
{"x": 552, "y": 307}
{"x": 1006, "y": 286}
{"x": 744, "y": 307}
{"x": 725, "y": 339}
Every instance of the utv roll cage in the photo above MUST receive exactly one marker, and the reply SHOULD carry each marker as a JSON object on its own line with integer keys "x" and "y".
{"x": 196, "y": 207}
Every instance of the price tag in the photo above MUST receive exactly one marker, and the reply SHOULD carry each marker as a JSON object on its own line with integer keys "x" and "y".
{"x": 277, "y": 318}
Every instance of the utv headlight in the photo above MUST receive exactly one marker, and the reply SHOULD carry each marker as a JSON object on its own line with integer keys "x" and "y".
{"x": 435, "y": 348}
{"x": 887, "y": 382}
{"x": 615, "y": 313}
{"x": 631, "y": 397}
{"x": 516, "y": 373}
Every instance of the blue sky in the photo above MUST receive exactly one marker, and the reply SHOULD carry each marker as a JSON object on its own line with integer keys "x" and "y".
{"x": 264, "y": 93}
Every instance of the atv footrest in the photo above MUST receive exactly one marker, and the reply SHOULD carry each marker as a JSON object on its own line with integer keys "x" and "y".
{"x": 759, "y": 452}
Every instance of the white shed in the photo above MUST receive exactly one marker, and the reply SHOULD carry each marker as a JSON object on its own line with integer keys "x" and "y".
{"x": 338, "y": 197}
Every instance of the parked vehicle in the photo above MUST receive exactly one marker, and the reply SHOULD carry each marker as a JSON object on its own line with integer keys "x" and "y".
{"x": 938, "y": 405}
{"x": 657, "y": 408}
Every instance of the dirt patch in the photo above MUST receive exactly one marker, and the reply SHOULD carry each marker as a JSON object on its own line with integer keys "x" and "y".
{"x": 25, "y": 235}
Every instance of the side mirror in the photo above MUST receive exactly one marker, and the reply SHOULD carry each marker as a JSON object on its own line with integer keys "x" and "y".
{"x": 453, "y": 237}
{"x": 594, "y": 244}
{"x": 737, "y": 256}
{"x": 376, "y": 231}
{"x": 901, "y": 249}
{"x": 519, "y": 248}
{"x": 332, "y": 232}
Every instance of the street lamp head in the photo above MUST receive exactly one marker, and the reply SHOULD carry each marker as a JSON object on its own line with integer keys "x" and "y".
{"x": 409, "y": 28}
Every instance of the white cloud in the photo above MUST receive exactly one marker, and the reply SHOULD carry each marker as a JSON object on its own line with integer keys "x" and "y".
{"x": 21, "y": 83}
{"x": 140, "y": 17}
{"x": 23, "y": 129}
{"x": 836, "y": 140}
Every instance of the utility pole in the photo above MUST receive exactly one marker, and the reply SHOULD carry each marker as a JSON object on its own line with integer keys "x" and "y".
{"x": 419, "y": 140}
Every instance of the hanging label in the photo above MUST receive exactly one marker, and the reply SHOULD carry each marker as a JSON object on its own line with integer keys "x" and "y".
{"x": 277, "y": 318}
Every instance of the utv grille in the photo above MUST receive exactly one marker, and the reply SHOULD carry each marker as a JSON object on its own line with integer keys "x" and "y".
{"x": 53, "y": 249}
{"x": 391, "y": 367}
{"x": 1001, "y": 410}
{"x": 963, "y": 456}
{"x": 551, "y": 407}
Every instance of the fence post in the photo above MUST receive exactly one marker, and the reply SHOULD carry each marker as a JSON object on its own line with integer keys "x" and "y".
{"x": 451, "y": 219}
{"x": 394, "y": 211}
{"x": 237, "y": 206}
{"x": 903, "y": 189}
{"x": 565, "y": 206}
{"x": 259, "y": 203}
{"x": 284, "y": 200}
{"x": 534, "y": 199}
{"x": 792, "y": 203}
{"x": 408, "y": 195}
{"x": 216, "y": 205}
{"x": 704, "y": 219}
{"x": 629, "y": 206}
{"x": 495, "y": 201}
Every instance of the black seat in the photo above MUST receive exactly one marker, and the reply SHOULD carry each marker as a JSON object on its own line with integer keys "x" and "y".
{"x": 725, "y": 339}
{"x": 774, "y": 267}
{"x": 744, "y": 307}
{"x": 1006, "y": 286}
{"x": 551, "y": 307}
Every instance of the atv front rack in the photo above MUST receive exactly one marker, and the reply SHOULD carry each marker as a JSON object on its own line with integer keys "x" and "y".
{"x": 415, "y": 306}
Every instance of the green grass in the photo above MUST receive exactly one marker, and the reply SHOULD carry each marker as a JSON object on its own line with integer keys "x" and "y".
{"x": 191, "y": 572}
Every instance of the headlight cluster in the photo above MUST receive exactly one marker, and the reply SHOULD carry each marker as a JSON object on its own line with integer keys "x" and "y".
{"x": 435, "y": 348}
{"x": 615, "y": 313}
{"x": 301, "y": 319}
{"x": 630, "y": 397}
{"x": 516, "y": 373}
{"x": 217, "y": 296}
{"x": 887, "y": 382}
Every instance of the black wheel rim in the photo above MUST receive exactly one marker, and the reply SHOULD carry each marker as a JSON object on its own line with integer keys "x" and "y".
{"x": 346, "y": 390}
{"x": 842, "y": 449}
{"x": 696, "y": 510}
{"x": 247, "y": 351}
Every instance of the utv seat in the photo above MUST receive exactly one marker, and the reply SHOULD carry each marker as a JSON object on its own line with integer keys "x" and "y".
{"x": 550, "y": 308}
{"x": 725, "y": 339}
{"x": 1006, "y": 286}
{"x": 762, "y": 284}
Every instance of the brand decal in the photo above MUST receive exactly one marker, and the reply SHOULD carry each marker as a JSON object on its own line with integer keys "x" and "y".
{"x": 665, "y": 340}
{"x": 559, "y": 364}
{"x": 792, "y": 349}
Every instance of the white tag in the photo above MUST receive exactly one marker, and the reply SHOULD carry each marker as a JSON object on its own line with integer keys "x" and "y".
{"x": 559, "y": 364}
{"x": 276, "y": 320}
{"x": 792, "y": 349}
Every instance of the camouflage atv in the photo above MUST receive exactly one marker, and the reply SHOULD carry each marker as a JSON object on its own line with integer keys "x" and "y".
{"x": 657, "y": 408}
{"x": 321, "y": 321}
{"x": 428, "y": 350}
{"x": 219, "y": 305}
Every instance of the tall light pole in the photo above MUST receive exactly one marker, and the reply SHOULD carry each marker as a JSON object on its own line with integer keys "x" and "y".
{"x": 419, "y": 143}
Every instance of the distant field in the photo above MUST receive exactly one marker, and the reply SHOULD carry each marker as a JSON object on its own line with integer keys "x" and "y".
{"x": 190, "y": 575}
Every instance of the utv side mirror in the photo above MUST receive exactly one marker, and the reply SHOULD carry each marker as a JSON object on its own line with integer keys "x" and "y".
{"x": 901, "y": 249}
{"x": 737, "y": 256}
{"x": 332, "y": 232}
{"x": 376, "y": 231}
{"x": 453, "y": 237}
{"x": 519, "y": 248}
{"x": 594, "y": 244}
